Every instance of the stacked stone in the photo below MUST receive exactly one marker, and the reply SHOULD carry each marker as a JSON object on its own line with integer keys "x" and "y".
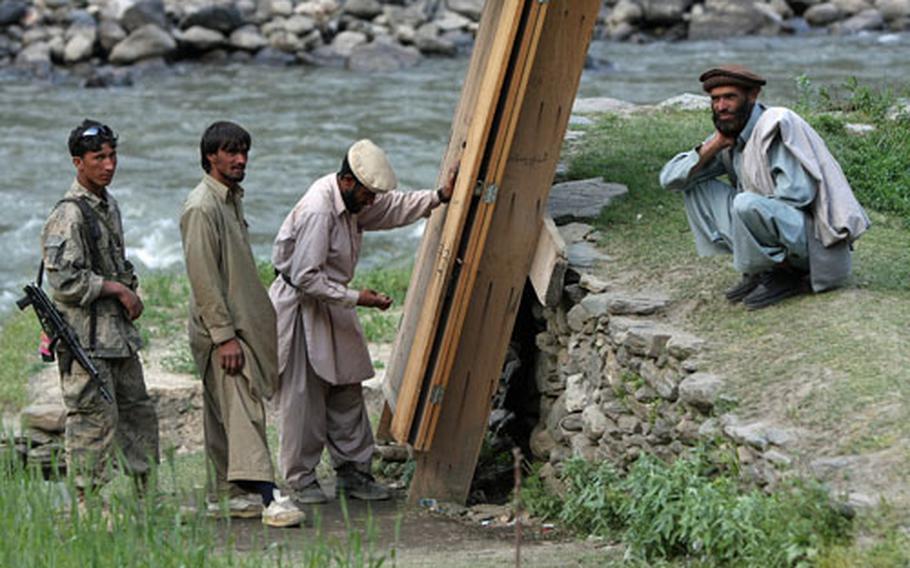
{"x": 617, "y": 380}
{"x": 641, "y": 20}
{"x": 360, "y": 34}
{"x": 40, "y": 443}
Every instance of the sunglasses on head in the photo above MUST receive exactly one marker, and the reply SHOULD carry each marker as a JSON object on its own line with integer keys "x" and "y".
{"x": 96, "y": 130}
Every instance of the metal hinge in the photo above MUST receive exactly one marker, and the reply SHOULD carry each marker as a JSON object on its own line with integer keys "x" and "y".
{"x": 436, "y": 394}
{"x": 489, "y": 195}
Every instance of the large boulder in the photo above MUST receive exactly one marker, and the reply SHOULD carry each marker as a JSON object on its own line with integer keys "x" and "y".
{"x": 661, "y": 12}
{"x": 893, "y": 10}
{"x": 470, "y": 8}
{"x": 382, "y": 55}
{"x": 345, "y": 42}
{"x": 224, "y": 18}
{"x": 34, "y": 54}
{"x": 247, "y": 38}
{"x": 110, "y": 33}
{"x": 12, "y": 11}
{"x": 143, "y": 13}
{"x": 79, "y": 48}
{"x": 363, "y": 9}
{"x": 721, "y": 19}
{"x": 867, "y": 20}
{"x": 319, "y": 10}
{"x": 823, "y": 14}
{"x": 299, "y": 25}
{"x": 198, "y": 38}
{"x": 852, "y": 7}
{"x": 144, "y": 43}
{"x": 428, "y": 40}
{"x": 582, "y": 199}
{"x": 49, "y": 418}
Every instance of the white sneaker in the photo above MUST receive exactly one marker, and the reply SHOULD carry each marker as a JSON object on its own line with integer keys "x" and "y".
{"x": 247, "y": 506}
{"x": 282, "y": 512}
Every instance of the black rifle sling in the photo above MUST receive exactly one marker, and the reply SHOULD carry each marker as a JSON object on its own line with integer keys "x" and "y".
{"x": 92, "y": 234}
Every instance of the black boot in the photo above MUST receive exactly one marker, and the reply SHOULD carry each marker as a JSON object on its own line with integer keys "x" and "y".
{"x": 742, "y": 288}
{"x": 778, "y": 285}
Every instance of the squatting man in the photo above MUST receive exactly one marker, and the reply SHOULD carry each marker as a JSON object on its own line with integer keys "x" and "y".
{"x": 788, "y": 215}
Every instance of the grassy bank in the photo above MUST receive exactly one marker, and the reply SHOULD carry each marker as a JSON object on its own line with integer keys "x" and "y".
{"x": 163, "y": 326}
{"x": 118, "y": 529}
{"x": 832, "y": 367}
{"x": 688, "y": 511}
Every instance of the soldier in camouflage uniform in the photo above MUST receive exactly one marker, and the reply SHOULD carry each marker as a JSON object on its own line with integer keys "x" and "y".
{"x": 94, "y": 286}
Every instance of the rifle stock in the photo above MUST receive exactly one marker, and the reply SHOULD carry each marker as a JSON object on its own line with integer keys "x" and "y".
{"x": 57, "y": 329}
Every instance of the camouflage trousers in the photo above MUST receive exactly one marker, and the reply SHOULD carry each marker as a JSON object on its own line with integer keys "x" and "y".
{"x": 97, "y": 432}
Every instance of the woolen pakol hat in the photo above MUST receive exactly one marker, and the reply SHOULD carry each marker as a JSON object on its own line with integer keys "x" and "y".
{"x": 735, "y": 75}
{"x": 371, "y": 166}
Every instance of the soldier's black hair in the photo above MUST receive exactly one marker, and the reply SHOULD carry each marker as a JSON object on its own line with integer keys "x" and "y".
{"x": 89, "y": 137}
{"x": 223, "y": 135}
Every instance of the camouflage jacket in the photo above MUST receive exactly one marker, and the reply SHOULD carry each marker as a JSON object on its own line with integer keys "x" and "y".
{"x": 76, "y": 285}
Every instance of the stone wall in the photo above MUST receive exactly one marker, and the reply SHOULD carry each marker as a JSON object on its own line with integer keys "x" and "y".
{"x": 616, "y": 380}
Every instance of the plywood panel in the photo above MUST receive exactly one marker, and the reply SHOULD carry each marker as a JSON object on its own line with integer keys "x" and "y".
{"x": 491, "y": 84}
{"x": 426, "y": 261}
{"x": 445, "y": 471}
{"x": 474, "y": 239}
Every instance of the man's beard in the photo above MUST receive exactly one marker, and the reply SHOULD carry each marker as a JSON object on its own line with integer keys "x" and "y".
{"x": 733, "y": 126}
{"x": 350, "y": 201}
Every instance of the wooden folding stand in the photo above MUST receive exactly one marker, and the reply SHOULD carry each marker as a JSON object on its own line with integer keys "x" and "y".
{"x": 476, "y": 254}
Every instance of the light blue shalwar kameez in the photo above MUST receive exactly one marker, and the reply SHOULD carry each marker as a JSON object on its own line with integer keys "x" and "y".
{"x": 761, "y": 232}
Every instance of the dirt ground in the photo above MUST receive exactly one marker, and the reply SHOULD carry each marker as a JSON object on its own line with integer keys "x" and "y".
{"x": 402, "y": 534}
{"x": 410, "y": 536}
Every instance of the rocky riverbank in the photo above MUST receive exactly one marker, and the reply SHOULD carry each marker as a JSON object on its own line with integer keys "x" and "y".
{"x": 362, "y": 35}
{"x": 98, "y": 39}
{"x": 642, "y": 20}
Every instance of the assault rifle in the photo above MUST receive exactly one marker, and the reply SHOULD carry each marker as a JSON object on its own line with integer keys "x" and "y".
{"x": 57, "y": 329}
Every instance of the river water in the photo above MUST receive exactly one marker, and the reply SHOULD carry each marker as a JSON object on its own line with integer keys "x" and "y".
{"x": 303, "y": 119}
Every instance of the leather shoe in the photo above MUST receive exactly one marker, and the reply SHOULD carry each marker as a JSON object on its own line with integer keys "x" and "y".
{"x": 776, "y": 286}
{"x": 742, "y": 288}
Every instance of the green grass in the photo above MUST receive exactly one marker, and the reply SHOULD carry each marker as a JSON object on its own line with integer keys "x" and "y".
{"x": 18, "y": 358}
{"x": 163, "y": 325}
{"x": 39, "y": 530}
{"x": 687, "y": 511}
{"x": 834, "y": 365}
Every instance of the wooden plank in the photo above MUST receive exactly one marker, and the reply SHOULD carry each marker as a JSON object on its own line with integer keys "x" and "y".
{"x": 510, "y": 108}
{"x": 445, "y": 471}
{"x": 491, "y": 85}
{"x": 383, "y": 429}
{"x": 549, "y": 265}
{"x": 424, "y": 264}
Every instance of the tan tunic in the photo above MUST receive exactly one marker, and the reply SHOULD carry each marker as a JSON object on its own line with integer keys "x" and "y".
{"x": 75, "y": 285}
{"x": 228, "y": 299}
{"x": 317, "y": 247}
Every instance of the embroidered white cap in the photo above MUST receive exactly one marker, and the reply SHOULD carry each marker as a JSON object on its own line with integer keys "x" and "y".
{"x": 371, "y": 166}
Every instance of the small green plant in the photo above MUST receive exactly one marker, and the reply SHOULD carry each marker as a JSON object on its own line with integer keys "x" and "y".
{"x": 692, "y": 509}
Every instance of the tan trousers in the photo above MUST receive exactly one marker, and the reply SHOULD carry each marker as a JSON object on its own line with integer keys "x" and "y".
{"x": 234, "y": 424}
{"x": 95, "y": 429}
{"x": 315, "y": 414}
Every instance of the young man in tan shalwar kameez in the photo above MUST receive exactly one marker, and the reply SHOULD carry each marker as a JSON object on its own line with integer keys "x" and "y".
{"x": 232, "y": 332}
{"x": 322, "y": 353}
